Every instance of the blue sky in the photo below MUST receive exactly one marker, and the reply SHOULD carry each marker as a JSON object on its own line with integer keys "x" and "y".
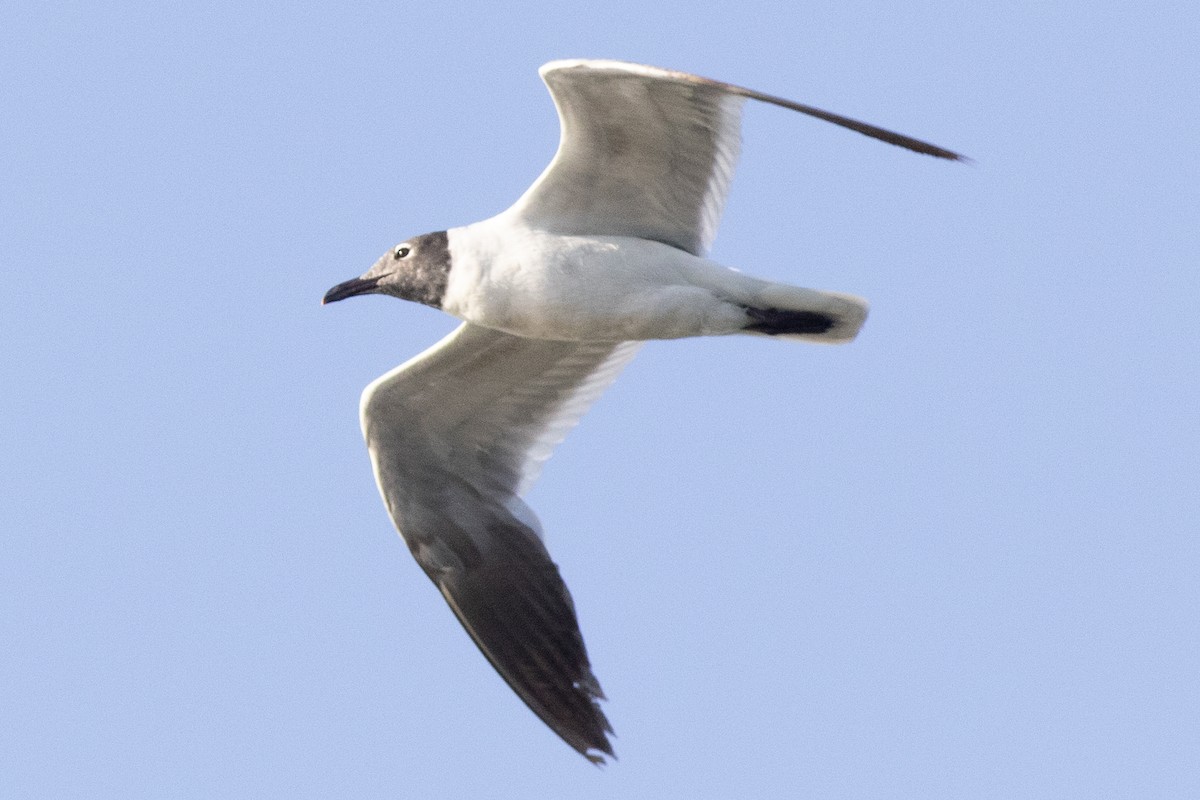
{"x": 956, "y": 558}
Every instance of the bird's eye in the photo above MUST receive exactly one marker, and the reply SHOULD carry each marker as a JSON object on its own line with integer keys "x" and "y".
{"x": 401, "y": 252}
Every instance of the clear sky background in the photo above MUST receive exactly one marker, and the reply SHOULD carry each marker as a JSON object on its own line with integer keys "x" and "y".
{"x": 957, "y": 558}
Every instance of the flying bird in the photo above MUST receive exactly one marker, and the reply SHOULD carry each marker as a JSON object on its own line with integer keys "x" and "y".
{"x": 604, "y": 251}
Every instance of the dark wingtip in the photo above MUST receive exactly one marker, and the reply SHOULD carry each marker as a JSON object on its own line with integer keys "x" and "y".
{"x": 865, "y": 128}
{"x": 518, "y": 611}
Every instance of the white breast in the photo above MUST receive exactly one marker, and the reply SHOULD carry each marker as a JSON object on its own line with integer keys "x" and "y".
{"x": 610, "y": 288}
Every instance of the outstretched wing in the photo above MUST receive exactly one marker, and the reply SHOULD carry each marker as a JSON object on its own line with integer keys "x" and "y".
{"x": 649, "y": 152}
{"x": 456, "y": 435}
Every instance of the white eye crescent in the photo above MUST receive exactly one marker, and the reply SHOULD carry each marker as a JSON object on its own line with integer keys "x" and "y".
{"x": 401, "y": 252}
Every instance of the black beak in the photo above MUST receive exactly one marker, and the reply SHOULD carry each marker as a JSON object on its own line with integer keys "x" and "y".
{"x": 349, "y": 289}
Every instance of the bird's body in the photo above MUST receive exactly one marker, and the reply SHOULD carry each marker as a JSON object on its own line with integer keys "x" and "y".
{"x": 605, "y": 250}
{"x": 541, "y": 285}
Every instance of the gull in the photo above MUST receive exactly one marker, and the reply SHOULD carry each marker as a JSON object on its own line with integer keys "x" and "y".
{"x": 604, "y": 251}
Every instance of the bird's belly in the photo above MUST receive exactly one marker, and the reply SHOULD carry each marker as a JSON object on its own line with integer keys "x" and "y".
{"x": 600, "y": 289}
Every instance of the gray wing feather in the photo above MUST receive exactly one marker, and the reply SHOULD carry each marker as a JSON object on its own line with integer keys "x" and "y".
{"x": 642, "y": 154}
{"x": 650, "y": 152}
{"x": 455, "y": 435}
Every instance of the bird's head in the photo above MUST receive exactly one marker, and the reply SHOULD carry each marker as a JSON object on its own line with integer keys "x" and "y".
{"x": 417, "y": 269}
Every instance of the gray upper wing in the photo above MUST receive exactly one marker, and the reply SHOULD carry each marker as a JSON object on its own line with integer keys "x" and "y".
{"x": 455, "y": 435}
{"x": 644, "y": 152}
{"x": 649, "y": 152}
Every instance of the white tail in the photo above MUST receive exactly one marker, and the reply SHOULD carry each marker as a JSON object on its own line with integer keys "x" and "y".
{"x": 791, "y": 312}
